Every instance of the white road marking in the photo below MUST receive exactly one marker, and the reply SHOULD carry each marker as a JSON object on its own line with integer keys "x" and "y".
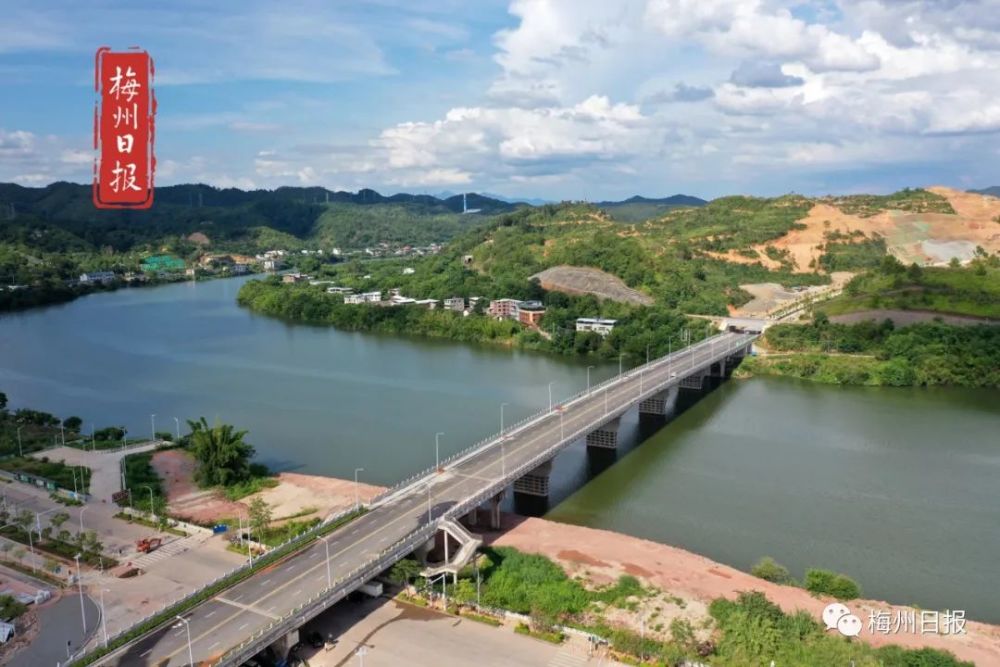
{"x": 211, "y": 613}
{"x": 243, "y": 626}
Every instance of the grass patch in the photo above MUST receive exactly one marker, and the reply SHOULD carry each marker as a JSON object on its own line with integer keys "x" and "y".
{"x": 54, "y": 471}
{"x": 141, "y": 478}
{"x": 249, "y": 487}
{"x": 131, "y": 518}
{"x": 482, "y": 618}
{"x": 37, "y": 574}
{"x": 544, "y": 635}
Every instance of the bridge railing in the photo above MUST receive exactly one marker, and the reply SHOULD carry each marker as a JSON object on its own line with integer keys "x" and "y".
{"x": 457, "y": 510}
{"x": 351, "y": 581}
{"x": 496, "y": 438}
{"x": 182, "y": 602}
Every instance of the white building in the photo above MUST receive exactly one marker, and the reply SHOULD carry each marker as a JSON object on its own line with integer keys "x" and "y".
{"x": 364, "y": 297}
{"x": 595, "y": 324}
{"x": 407, "y": 271}
{"x": 97, "y": 277}
{"x": 429, "y": 304}
{"x": 339, "y": 290}
{"x": 456, "y": 303}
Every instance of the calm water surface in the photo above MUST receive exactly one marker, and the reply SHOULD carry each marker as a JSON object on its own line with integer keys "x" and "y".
{"x": 898, "y": 488}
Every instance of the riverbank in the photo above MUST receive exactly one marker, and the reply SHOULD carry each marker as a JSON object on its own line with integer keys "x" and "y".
{"x": 601, "y": 556}
{"x": 873, "y": 353}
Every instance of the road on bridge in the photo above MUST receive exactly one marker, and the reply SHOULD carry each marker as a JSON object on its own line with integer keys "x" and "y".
{"x": 236, "y": 613}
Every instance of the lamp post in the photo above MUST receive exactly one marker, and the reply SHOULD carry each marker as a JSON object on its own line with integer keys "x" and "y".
{"x": 502, "y": 406}
{"x": 647, "y": 353}
{"x": 79, "y": 581}
{"x": 620, "y": 356}
{"x": 104, "y": 620}
{"x": 550, "y": 396}
{"x": 73, "y": 472}
{"x": 588, "y": 379}
{"x": 188, "y": 627}
{"x": 152, "y": 507}
{"x": 177, "y": 425}
{"x": 429, "y": 518}
{"x": 20, "y": 451}
{"x": 357, "y": 493}
{"x": 62, "y": 433}
{"x": 93, "y": 436}
{"x": 329, "y": 579}
{"x": 437, "y": 450}
{"x": 82, "y": 510}
{"x": 152, "y": 426}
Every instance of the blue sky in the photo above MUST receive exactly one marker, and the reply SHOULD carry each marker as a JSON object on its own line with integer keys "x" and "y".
{"x": 581, "y": 99}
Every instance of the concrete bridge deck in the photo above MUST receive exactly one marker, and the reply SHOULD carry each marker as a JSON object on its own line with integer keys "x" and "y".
{"x": 245, "y": 618}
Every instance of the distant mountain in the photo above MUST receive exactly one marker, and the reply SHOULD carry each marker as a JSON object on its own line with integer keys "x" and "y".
{"x": 249, "y": 218}
{"x": 674, "y": 200}
{"x": 531, "y": 201}
{"x": 638, "y": 209}
{"x": 993, "y": 191}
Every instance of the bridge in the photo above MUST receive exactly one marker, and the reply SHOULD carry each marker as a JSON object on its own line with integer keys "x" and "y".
{"x": 268, "y": 606}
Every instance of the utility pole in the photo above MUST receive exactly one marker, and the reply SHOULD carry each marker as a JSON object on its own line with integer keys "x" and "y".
{"x": 357, "y": 494}
{"x": 79, "y": 580}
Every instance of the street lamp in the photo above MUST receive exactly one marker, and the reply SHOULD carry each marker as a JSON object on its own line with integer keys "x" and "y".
{"x": 79, "y": 580}
{"x": 329, "y": 579}
{"x": 357, "y": 494}
{"x": 620, "y": 355}
{"x": 177, "y": 425}
{"x": 82, "y": 510}
{"x": 188, "y": 627}
{"x": 429, "y": 502}
{"x": 152, "y": 508}
{"x": 20, "y": 451}
{"x": 550, "y": 396}
{"x": 588, "y": 379}
{"x": 502, "y": 405}
{"x": 152, "y": 426}
{"x": 437, "y": 450}
{"x": 104, "y": 619}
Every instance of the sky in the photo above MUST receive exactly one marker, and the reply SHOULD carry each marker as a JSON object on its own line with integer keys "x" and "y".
{"x": 551, "y": 99}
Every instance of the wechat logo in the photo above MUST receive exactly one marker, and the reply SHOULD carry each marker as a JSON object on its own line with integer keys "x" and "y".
{"x": 838, "y": 617}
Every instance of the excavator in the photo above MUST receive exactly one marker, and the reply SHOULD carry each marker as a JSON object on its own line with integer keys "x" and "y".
{"x": 147, "y": 544}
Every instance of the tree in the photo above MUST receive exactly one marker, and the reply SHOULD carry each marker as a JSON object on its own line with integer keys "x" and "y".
{"x": 59, "y": 518}
{"x": 223, "y": 457}
{"x": 260, "y": 517}
{"x": 73, "y": 423}
{"x": 24, "y": 519}
{"x": 3, "y": 401}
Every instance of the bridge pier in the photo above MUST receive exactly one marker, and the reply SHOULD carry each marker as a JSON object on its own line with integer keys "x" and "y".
{"x": 536, "y": 482}
{"x": 658, "y": 404}
{"x": 695, "y": 381}
{"x": 604, "y": 437}
{"x": 494, "y": 518}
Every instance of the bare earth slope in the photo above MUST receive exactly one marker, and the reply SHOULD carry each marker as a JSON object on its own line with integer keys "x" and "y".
{"x": 924, "y": 238}
{"x": 585, "y": 280}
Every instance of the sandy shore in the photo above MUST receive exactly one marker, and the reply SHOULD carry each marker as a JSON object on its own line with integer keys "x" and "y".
{"x": 602, "y": 556}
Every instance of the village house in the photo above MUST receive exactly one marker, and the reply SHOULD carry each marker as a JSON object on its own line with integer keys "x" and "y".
{"x": 530, "y": 313}
{"x": 504, "y": 309}
{"x": 595, "y": 324}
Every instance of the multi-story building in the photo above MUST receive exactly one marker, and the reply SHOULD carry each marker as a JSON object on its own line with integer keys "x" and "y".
{"x": 364, "y": 297}
{"x": 504, "y": 309}
{"x": 530, "y": 313}
{"x": 595, "y": 324}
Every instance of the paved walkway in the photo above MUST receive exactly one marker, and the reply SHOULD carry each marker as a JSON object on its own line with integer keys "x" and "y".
{"x": 104, "y": 464}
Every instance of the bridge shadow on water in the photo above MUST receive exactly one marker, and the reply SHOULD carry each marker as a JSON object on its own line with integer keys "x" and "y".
{"x": 575, "y": 466}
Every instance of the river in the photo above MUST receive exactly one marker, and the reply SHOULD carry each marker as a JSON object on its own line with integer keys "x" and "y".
{"x": 897, "y": 488}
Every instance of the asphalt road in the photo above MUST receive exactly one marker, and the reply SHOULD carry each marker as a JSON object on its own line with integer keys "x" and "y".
{"x": 226, "y": 620}
{"x": 60, "y": 626}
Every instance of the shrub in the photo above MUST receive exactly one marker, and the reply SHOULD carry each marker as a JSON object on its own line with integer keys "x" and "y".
{"x": 770, "y": 570}
{"x": 825, "y": 582}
